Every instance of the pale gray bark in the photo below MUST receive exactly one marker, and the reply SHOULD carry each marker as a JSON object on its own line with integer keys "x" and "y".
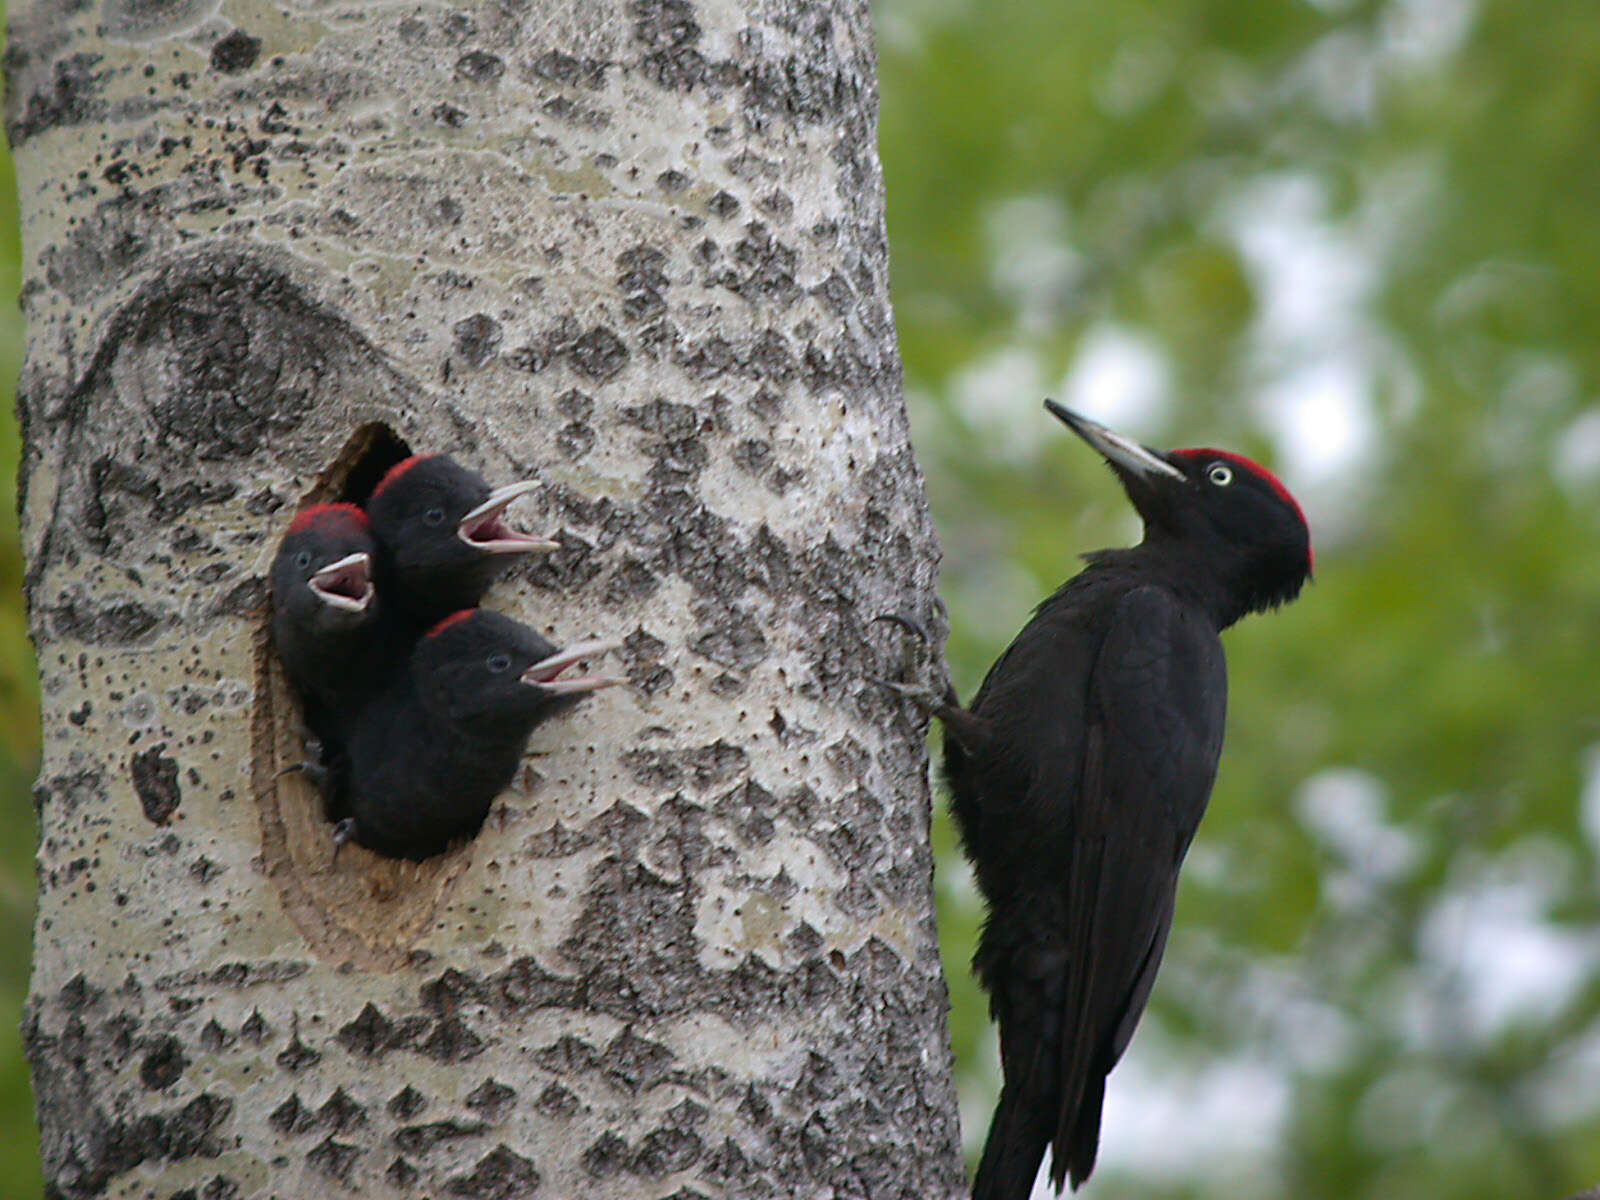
{"x": 638, "y": 250}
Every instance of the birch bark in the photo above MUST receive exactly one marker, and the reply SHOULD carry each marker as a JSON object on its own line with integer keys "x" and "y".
{"x": 633, "y": 249}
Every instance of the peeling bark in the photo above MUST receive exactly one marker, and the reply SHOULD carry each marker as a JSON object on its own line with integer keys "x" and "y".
{"x": 633, "y": 249}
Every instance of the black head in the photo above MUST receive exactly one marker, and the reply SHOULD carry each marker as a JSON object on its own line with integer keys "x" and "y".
{"x": 1223, "y": 519}
{"x": 322, "y": 574}
{"x": 491, "y": 676}
{"x": 444, "y": 531}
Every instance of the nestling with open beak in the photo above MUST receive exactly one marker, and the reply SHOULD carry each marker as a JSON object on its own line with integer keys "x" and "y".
{"x": 444, "y": 536}
{"x": 325, "y": 614}
{"x": 428, "y": 756}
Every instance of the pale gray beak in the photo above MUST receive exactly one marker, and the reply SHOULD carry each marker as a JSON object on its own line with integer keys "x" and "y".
{"x": 346, "y": 584}
{"x": 543, "y": 673}
{"x": 1118, "y": 450}
{"x": 485, "y": 527}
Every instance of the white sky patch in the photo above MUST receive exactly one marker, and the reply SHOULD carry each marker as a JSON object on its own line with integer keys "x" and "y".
{"x": 1346, "y": 810}
{"x": 1121, "y": 379}
{"x": 1320, "y": 417}
{"x": 1496, "y": 959}
{"x": 1340, "y": 75}
{"x": 1000, "y": 395}
{"x": 1319, "y": 356}
{"x": 1575, "y": 457}
{"x": 1169, "y": 1119}
{"x": 1423, "y": 34}
{"x": 1314, "y": 278}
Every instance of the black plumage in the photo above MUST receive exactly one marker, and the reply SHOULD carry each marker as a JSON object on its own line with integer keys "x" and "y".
{"x": 429, "y": 755}
{"x": 444, "y": 537}
{"x": 325, "y": 614}
{"x": 1079, "y": 773}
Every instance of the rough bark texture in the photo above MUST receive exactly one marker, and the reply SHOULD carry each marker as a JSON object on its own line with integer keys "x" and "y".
{"x": 637, "y": 249}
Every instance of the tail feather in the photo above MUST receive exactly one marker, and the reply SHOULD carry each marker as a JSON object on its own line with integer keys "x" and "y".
{"x": 1017, "y": 1139}
{"x": 1076, "y": 1156}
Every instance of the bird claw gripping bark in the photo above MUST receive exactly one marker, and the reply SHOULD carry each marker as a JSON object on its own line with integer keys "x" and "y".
{"x": 931, "y": 689}
{"x": 343, "y": 831}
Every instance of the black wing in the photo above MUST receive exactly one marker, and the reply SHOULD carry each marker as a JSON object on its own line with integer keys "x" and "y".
{"x": 1157, "y": 704}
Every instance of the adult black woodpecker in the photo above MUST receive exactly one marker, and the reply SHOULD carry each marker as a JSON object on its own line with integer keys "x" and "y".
{"x": 428, "y": 757}
{"x": 444, "y": 536}
{"x": 1079, "y": 773}
{"x": 325, "y": 612}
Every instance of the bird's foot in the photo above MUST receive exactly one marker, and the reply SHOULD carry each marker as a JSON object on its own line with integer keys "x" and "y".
{"x": 343, "y": 831}
{"x": 930, "y": 702}
{"x": 314, "y": 770}
{"x": 929, "y": 687}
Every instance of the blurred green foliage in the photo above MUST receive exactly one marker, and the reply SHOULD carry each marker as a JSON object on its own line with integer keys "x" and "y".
{"x": 1390, "y": 914}
{"x": 1306, "y": 215}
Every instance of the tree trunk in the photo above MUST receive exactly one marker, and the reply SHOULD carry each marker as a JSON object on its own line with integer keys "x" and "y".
{"x": 638, "y": 251}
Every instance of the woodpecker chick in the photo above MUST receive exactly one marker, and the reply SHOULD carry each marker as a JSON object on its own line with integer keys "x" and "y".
{"x": 428, "y": 757}
{"x": 444, "y": 535}
{"x": 325, "y": 613}
{"x": 1079, "y": 773}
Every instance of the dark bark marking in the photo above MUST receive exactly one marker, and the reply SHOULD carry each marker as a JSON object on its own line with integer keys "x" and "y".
{"x": 340, "y": 1113}
{"x": 163, "y": 1064}
{"x": 297, "y": 1056}
{"x": 491, "y": 1098}
{"x": 668, "y": 31}
{"x": 255, "y": 1029}
{"x": 402, "y": 1175}
{"x": 525, "y": 986}
{"x": 334, "y": 1159}
{"x": 477, "y": 338}
{"x": 418, "y": 1140}
{"x": 481, "y": 67}
{"x": 452, "y": 1041}
{"x": 80, "y": 1164}
{"x": 71, "y": 96}
{"x": 502, "y": 1174}
{"x": 116, "y": 623}
{"x": 598, "y": 354}
{"x": 406, "y": 1103}
{"x": 557, "y": 1101}
{"x": 155, "y": 779}
{"x": 236, "y": 52}
{"x": 78, "y": 994}
{"x": 608, "y": 1156}
{"x": 292, "y": 1118}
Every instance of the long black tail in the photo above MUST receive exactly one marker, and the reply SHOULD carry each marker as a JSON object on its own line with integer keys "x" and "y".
{"x": 1018, "y": 1136}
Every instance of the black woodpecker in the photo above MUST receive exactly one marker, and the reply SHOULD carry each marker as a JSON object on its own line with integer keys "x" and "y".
{"x": 1079, "y": 773}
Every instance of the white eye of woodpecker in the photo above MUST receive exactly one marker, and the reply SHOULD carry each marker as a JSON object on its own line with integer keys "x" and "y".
{"x": 303, "y": 559}
{"x": 499, "y": 663}
{"x": 434, "y": 516}
{"x": 1220, "y": 474}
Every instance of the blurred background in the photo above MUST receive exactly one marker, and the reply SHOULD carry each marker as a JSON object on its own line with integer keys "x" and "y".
{"x": 1359, "y": 241}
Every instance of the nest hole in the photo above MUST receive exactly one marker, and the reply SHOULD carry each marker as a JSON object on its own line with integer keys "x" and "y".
{"x": 362, "y": 908}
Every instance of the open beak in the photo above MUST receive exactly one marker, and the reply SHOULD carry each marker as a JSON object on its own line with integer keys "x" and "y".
{"x": 485, "y": 527}
{"x": 1121, "y": 452}
{"x": 346, "y": 584}
{"x": 543, "y": 673}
